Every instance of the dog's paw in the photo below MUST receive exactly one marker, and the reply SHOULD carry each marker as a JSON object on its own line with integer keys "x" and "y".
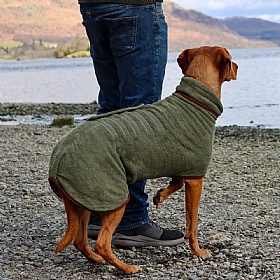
{"x": 95, "y": 259}
{"x": 204, "y": 254}
{"x": 131, "y": 269}
{"x": 156, "y": 199}
{"x": 100, "y": 260}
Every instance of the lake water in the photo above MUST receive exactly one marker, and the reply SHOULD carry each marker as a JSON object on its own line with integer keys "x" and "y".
{"x": 252, "y": 100}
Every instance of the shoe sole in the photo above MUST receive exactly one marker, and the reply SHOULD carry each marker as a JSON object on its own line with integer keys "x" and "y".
{"x": 120, "y": 240}
{"x": 142, "y": 241}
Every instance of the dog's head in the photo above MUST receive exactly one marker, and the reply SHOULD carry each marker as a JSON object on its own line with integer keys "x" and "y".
{"x": 208, "y": 64}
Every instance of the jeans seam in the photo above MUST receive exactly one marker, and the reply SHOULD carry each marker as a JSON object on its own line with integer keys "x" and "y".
{"x": 156, "y": 24}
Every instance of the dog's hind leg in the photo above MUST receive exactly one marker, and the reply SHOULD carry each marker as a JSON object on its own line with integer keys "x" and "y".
{"x": 103, "y": 245}
{"x": 193, "y": 190}
{"x": 77, "y": 223}
{"x": 72, "y": 225}
{"x": 175, "y": 185}
{"x": 81, "y": 240}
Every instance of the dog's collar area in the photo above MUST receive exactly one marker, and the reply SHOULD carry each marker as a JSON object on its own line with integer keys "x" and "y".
{"x": 198, "y": 103}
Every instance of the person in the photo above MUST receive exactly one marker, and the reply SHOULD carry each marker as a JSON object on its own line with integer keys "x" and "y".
{"x": 128, "y": 46}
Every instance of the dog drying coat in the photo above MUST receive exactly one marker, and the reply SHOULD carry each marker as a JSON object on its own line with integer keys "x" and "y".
{"x": 96, "y": 160}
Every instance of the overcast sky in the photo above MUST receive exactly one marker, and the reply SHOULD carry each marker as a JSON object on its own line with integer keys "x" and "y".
{"x": 265, "y": 9}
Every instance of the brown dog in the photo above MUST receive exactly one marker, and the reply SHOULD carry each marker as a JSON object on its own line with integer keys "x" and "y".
{"x": 183, "y": 123}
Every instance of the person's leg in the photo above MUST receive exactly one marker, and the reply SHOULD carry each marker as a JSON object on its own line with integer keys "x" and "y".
{"x": 141, "y": 71}
{"x": 129, "y": 51}
{"x": 103, "y": 59}
{"x": 141, "y": 58}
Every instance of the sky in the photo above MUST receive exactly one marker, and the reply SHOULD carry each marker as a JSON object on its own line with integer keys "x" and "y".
{"x": 265, "y": 9}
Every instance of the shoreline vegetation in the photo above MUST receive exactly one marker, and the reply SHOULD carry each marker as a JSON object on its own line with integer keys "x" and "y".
{"x": 75, "y": 48}
{"x": 35, "y": 49}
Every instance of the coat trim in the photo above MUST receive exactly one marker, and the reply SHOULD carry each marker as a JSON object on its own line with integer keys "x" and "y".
{"x": 198, "y": 103}
{"x": 58, "y": 189}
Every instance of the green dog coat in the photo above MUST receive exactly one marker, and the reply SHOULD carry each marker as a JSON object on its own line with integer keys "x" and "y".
{"x": 94, "y": 163}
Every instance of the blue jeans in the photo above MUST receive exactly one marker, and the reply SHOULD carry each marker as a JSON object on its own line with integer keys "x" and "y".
{"x": 128, "y": 45}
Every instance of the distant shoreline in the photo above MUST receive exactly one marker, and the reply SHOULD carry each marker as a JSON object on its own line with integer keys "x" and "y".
{"x": 42, "y": 113}
{"x": 25, "y": 109}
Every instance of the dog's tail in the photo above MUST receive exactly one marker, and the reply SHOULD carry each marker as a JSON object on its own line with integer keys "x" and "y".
{"x": 73, "y": 219}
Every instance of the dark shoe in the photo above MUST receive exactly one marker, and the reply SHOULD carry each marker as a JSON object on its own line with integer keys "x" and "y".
{"x": 149, "y": 234}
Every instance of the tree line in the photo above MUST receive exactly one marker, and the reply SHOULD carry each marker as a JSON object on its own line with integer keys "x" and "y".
{"x": 42, "y": 49}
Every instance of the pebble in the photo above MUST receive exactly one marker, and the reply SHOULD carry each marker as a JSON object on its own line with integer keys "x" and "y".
{"x": 238, "y": 216}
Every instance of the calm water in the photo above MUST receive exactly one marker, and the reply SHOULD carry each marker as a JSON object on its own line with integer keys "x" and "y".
{"x": 254, "y": 99}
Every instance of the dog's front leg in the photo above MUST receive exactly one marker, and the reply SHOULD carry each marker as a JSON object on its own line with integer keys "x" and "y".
{"x": 193, "y": 190}
{"x": 175, "y": 185}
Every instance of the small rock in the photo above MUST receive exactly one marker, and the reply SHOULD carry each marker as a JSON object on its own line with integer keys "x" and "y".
{"x": 218, "y": 238}
{"x": 62, "y": 121}
{"x": 131, "y": 254}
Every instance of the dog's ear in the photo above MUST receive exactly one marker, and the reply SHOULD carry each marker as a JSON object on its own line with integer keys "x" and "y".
{"x": 228, "y": 68}
{"x": 185, "y": 59}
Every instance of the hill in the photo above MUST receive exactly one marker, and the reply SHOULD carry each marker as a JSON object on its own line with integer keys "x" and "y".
{"x": 54, "y": 22}
{"x": 188, "y": 28}
{"x": 255, "y": 28}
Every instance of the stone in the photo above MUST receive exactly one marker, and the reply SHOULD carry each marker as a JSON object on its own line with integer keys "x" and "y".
{"x": 63, "y": 120}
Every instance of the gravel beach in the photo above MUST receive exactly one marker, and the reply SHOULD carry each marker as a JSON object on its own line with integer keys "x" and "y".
{"x": 238, "y": 219}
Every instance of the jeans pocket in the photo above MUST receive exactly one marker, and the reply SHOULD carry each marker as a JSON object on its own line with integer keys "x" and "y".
{"x": 122, "y": 34}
